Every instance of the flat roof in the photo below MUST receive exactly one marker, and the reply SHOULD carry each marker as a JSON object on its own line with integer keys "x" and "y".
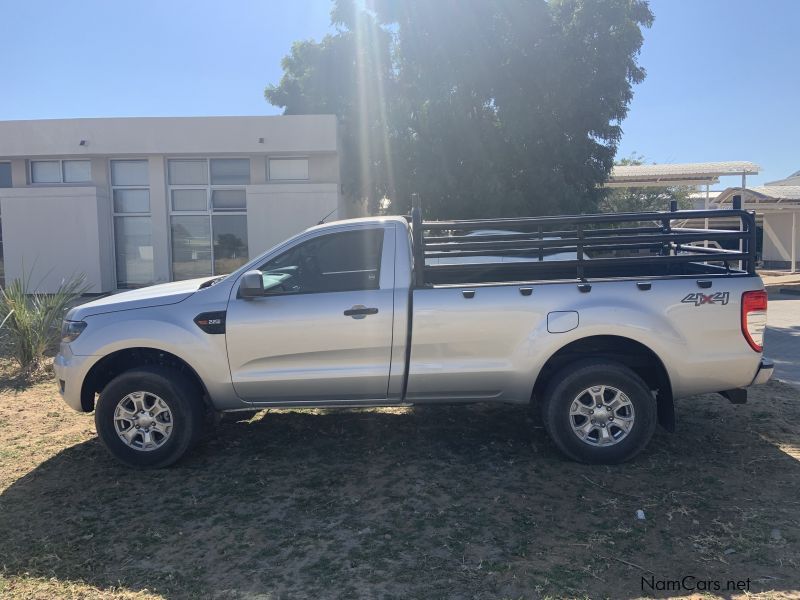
{"x": 168, "y": 135}
{"x": 678, "y": 173}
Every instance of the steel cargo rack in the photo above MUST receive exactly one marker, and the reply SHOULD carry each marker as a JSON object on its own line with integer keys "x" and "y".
{"x": 606, "y": 245}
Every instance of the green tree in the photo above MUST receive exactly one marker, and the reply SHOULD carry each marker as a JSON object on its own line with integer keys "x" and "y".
{"x": 644, "y": 199}
{"x": 484, "y": 107}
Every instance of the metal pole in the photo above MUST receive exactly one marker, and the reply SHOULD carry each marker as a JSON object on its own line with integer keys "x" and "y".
{"x": 673, "y": 207}
{"x": 793, "y": 266}
{"x": 741, "y": 223}
{"x": 705, "y": 243}
{"x": 737, "y": 205}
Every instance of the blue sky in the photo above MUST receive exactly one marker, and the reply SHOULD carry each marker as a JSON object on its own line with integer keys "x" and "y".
{"x": 723, "y": 76}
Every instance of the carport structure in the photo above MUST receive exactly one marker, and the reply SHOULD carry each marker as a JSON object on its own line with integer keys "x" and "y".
{"x": 686, "y": 174}
{"x": 672, "y": 174}
{"x": 777, "y": 204}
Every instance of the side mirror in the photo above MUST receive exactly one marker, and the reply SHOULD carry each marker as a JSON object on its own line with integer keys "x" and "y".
{"x": 251, "y": 285}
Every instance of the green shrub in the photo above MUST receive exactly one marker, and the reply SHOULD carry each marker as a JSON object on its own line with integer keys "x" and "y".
{"x": 31, "y": 322}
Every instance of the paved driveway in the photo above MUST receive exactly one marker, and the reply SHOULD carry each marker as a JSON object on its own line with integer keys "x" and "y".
{"x": 782, "y": 342}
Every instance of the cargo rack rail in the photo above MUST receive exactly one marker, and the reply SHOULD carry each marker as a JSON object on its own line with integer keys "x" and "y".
{"x": 605, "y": 245}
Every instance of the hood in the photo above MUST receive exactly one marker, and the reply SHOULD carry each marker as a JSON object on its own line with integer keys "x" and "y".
{"x": 154, "y": 295}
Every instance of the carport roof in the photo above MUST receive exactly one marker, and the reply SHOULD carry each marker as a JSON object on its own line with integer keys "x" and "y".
{"x": 677, "y": 173}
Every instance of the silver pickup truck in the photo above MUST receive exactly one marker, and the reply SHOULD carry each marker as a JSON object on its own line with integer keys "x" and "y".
{"x": 393, "y": 311}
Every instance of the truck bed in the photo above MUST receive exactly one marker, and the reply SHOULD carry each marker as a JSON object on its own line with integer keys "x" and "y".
{"x": 580, "y": 248}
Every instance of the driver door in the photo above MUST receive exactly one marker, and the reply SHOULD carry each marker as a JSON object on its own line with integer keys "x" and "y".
{"x": 323, "y": 329}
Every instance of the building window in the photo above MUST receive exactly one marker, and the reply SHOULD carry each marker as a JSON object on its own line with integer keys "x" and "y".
{"x": 208, "y": 215}
{"x": 61, "y": 171}
{"x": 133, "y": 237}
{"x": 288, "y": 169}
{"x": 230, "y": 171}
{"x": 76, "y": 171}
{"x": 5, "y": 174}
{"x": 45, "y": 171}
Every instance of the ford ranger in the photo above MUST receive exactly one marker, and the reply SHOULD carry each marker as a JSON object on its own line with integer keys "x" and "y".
{"x": 599, "y": 321}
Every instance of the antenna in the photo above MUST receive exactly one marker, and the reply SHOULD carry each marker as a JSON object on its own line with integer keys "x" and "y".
{"x": 322, "y": 220}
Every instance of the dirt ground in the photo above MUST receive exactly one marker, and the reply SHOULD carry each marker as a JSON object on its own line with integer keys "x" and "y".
{"x": 454, "y": 502}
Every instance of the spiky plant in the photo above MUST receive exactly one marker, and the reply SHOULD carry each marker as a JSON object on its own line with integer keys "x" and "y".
{"x": 30, "y": 321}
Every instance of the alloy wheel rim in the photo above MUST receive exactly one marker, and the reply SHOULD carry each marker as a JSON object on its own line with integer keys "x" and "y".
{"x": 601, "y": 415}
{"x": 143, "y": 421}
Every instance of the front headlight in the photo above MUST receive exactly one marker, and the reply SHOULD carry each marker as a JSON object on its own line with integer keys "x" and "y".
{"x": 70, "y": 330}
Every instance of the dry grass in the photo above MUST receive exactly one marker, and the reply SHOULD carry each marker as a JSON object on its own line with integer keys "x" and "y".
{"x": 456, "y": 502}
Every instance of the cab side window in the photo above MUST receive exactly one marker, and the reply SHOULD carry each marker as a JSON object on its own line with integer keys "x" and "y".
{"x": 336, "y": 262}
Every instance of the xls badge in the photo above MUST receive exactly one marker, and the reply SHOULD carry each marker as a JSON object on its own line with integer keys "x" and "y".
{"x": 698, "y": 299}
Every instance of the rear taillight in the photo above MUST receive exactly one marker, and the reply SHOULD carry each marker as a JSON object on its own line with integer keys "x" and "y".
{"x": 754, "y": 318}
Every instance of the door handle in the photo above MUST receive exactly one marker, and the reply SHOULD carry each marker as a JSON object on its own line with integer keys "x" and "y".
{"x": 359, "y": 311}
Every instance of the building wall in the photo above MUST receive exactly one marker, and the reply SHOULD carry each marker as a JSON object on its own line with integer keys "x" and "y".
{"x": 777, "y": 247}
{"x": 54, "y": 230}
{"x": 50, "y": 235}
{"x": 169, "y": 135}
{"x": 276, "y": 211}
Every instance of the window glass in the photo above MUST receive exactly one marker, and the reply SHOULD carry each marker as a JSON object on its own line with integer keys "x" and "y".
{"x": 212, "y": 242}
{"x": 134, "y": 251}
{"x": 2, "y": 260}
{"x": 230, "y": 242}
{"x": 76, "y": 171}
{"x": 228, "y": 199}
{"x": 336, "y": 262}
{"x": 191, "y": 246}
{"x": 5, "y": 175}
{"x": 187, "y": 172}
{"x": 288, "y": 168}
{"x": 194, "y": 200}
{"x": 230, "y": 171}
{"x": 131, "y": 201}
{"x": 45, "y": 171}
{"x": 129, "y": 172}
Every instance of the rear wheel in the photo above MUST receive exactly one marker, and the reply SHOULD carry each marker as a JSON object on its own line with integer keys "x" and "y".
{"x": 150, "y": 416}
{"x": 599, "y": 412}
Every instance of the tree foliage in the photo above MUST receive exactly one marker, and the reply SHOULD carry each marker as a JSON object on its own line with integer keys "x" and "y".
{"x": 484, "y": 107}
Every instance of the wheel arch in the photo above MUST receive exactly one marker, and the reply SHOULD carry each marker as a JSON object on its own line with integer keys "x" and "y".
{"x": 641, "y": 359}
{"x": 116, "y": 363}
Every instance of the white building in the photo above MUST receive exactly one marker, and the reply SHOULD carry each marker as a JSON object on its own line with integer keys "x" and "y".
{"x": 778, "y": 205}
{"x": 134, "y": 201}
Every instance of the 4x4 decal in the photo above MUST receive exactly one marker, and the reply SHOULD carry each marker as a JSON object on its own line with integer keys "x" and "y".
{"x": 716, "y": 298}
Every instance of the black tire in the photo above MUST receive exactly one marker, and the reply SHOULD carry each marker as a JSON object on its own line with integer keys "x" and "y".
{"x": 561, "y": 392}
{"x": 185, "y": 404}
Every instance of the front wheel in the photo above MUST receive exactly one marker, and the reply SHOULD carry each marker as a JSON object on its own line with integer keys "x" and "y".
{"x": 149, "y": 417}
{"x": 599, "y": 412}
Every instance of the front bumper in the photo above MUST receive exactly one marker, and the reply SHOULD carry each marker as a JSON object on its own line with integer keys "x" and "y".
{"x": 70, "y": 372}
{"x": 764, "y": 372}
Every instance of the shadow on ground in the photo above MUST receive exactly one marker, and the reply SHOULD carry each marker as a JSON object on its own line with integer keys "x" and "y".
{"x": 432, "y": 502}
